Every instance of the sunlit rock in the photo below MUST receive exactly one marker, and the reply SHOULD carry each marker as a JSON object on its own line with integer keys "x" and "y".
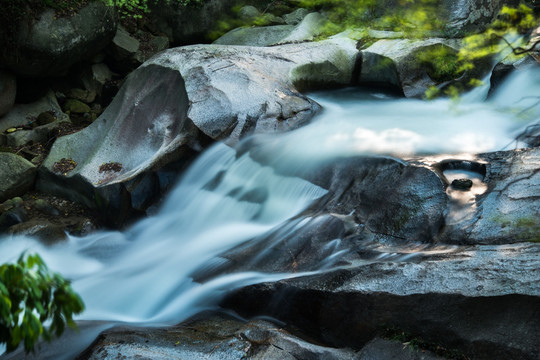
{"x": 507, "y": 211}
{"x": 399, "y": 63}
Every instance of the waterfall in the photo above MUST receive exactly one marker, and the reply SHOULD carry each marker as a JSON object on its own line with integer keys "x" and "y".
{"x": 232, "y": 197}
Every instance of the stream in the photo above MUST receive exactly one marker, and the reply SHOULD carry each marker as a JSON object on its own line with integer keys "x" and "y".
{"x": 144, "y": 276}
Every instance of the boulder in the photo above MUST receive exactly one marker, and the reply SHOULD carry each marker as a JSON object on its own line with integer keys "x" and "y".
{"x": 398, "y": 63}
{"x": 52, "y": 44}
{"x": 462, "y": 17}
{"x": 306, "y": 30}
{"x": 8, "y": 90}
{"x": 215, "y": 337}
{"x": 480, "y": 301}
{"x": 296, "y": 16}
{"x": 182, "y": 97}
{"x": 505, "y": 212}
{"x": 95, "y": 77}
{"x": 28, "y": 124}
{"x": 17, "y": 175}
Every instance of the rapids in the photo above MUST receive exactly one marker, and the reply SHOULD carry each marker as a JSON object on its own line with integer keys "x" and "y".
{"x": 144, "y": 275}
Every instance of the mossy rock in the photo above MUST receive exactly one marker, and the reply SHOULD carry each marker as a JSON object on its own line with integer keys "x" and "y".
{"x": 76, "y": 106}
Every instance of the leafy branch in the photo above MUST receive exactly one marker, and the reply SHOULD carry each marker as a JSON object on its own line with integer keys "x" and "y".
{"x": 31, "y": 295}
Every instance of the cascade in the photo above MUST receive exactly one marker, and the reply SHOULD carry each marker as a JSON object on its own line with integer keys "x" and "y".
{"x": 231, "y": 197}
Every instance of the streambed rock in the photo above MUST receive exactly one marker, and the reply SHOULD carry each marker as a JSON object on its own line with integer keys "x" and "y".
{"x": 216, "y": 337}
{"x": 174, "y": 103}
{"x": 483, "y": 301}
{"x": 507, "y": 212}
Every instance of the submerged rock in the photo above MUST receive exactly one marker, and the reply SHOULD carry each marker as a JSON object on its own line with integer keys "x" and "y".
{"x": 172, "y": 104}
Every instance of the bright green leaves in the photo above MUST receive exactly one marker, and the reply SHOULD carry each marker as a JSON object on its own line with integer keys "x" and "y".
{"x": 507, "y": 35}
{"x": 30, "y": 295}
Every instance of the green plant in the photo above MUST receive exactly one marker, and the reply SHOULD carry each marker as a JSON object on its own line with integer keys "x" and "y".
{"x": 30, "y": 295}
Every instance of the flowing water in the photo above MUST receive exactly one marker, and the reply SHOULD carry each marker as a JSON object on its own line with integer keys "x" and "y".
{"x": 145, "y": 274}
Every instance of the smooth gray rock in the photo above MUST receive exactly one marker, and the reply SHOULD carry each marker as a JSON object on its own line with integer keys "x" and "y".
{"x": 395, "y": 63}
{"x": 255, "y": 36}
{"x": 17, "y": 175}
{"x": 123, "y": 45}
{"x": 96, "y": 76}
{"x": 506, "y": 212}
{"x": 223, "y": 92}
{"x": 8, "y": 91}
{"x": 296, "y": 16}
{"x": 51, "y": 45}
{"x": 215, "y": 337}
{"x": 306, "y": 30}
{"x": 482, "y": 301}
{"x": 24, "y": 114}
{"x": 248, "y": 12}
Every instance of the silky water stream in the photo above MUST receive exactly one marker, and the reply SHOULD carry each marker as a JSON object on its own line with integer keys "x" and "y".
{"x": 144, "y": 276}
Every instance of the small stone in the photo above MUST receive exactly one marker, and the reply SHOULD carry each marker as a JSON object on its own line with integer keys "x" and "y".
{"x": 248, "y": 12}
{"x": 45, "y": 118}
{"x": 462, "y": 184}
{"x": 45, "y": 207}
{"x": 17, "y": 201}
{"x": 76, "y": 106}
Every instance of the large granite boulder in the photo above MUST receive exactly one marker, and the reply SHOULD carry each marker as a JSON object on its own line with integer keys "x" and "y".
{"x": 176, "y": 101}
{"x": 50, "y": 45}
{"x": 400, "y": 64}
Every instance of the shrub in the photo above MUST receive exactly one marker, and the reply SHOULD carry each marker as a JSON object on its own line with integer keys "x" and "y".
{"x": 30, "y": 295}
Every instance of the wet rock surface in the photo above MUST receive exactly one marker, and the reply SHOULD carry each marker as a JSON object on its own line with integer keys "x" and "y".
{"x": 481, "y": 301}
{"x": 504, "y": 213}
{"x": 221, "y": 337}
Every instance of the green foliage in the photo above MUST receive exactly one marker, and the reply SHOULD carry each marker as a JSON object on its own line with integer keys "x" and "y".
{"x": 441, "y": 63}
{"x": 508, "y": 33}
{"x": 414, "y": 18}
{"x": 31, "y": 295}
{"x": 136, "y": 8}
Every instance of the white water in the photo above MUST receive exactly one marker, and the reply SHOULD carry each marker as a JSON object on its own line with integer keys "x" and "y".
{"x": 144, "y": 276}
